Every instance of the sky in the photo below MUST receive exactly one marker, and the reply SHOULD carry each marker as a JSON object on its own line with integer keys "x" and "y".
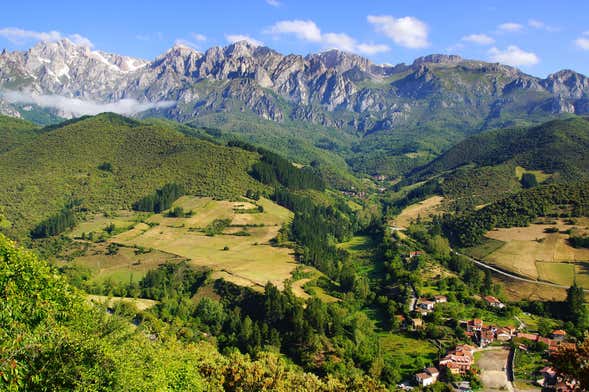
{"x": 539, "y": 37}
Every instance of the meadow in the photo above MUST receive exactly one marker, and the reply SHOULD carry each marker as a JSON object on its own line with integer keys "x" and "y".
{"x": 539, "y": 251}
{"x": 241, "y": 252}
{"x": 424, "y": 210}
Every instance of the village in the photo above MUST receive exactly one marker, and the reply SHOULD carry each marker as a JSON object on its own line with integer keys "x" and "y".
{"x": 459, "y": 363}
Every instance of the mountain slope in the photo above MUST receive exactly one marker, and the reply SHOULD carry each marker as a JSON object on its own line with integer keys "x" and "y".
{"x": 62, "y": 165}
{"x": 15, "y": 132}
{"x": 488, "y": 167}
{"x": 556, "y": 146}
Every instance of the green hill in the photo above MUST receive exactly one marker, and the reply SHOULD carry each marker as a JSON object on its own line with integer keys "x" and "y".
{"x": 487, "y": 167}
{"x": 15, "y": 132}
{"x": 558, "y": 146}
{"x": 108, "y": 162}
{"x": 51, "y": 339}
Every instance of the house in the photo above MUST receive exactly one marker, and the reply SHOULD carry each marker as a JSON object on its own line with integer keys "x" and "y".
{"x": 474, "y": 325}
{"x": 528, "y": 336}
{"x": 426, "y": 304}
{"x": 487, "y": 336}
{"x": 415, "y": 253}
{"x": 439, "y": 299}
{"x": 558, "y": 335}
{"x": 459, "y": 360}
{"x": 494, "y": 302}
{"x": 504, "y": 334}
{"x": 429, "y": 376}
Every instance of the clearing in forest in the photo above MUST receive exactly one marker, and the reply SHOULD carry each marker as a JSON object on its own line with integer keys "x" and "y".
{"x": 424, "y": 209}
{"x": 231, "y": 238}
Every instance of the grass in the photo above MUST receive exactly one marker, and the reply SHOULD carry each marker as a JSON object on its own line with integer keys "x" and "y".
{"x": 140, "y": 303}
{"x": 249, "y": 260}
{"x": 424, "y": 209}
{"x": 535, "y": 253}
{"x": 541, "y": 176}
{"x": 560, "y": 273}
{"x": 121, "y": 267}
{"x": 481, "y": 251}
{"x": 409, "y": 355}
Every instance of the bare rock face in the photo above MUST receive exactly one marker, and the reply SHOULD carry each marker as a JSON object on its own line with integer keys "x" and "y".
{"x": 331, "y": 88}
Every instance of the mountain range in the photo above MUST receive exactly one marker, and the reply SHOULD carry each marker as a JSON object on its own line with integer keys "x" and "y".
{"x": 405, "y": 113}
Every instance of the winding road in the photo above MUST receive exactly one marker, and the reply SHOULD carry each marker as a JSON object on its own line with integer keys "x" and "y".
{"x": 512, "y": 276}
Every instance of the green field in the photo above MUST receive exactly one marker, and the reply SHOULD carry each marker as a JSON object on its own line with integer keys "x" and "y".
{"x": 409, "y": 355}
{"x": 560, "y": 273}
{"x": 124, "y": 266}
{"x": 241, "y": 253}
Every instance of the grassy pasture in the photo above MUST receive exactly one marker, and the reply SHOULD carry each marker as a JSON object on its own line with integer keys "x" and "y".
{"x": 245, "y": 260}
{"x": 424, "y": 209}
{"x": 121, "y": 267}
{"x": 533, "y": 252}
{"x": 540, "y": 175}
{"x": 140, "y": 303}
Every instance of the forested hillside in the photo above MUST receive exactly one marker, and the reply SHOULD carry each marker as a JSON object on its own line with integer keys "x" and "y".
{"x": 15, "y": 132}
{"x": 558, "y": 146}
{"x": 108, "y": 162}
{"x": 52, "y": 339}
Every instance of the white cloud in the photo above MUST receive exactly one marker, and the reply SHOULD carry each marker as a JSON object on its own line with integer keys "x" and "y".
{"x": 198, "y": 37}
{"x": 408, "y": 31}
{"x": 79, "y": 107}
{"x": 479, "y": 39}
{"x": 514, "y": 56}
{"x": 20, "y": 36}
{"x": 582, "y": 43}
{"x": 510, "y": 27}
{"x": 273, "y": 3}
{"x": 233, "y": 38}
{"x": 302, "y": 29}
{"x": 538, "y": 24}
{"x": 184, "y": 42}
{"x": 308, "y": 30}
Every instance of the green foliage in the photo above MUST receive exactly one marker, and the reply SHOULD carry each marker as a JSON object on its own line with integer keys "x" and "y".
{"x": 579, "y": 241}
{"x": 521, "y": 209}
{"x": 161, "y": 200}
{"x": 15, "y": 132}
{"x": 529, "y": 180}
{"x": 217, "y": 226}
{"x": 55, "y": 224}
{"x": 62, "y": 164}
{"x": 105, "y": 166}
{"x": 274, "y": 170}
{"x": 555, "y": 146}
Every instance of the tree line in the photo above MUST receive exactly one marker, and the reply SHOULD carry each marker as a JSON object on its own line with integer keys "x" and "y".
{"x": 160, "y": 200}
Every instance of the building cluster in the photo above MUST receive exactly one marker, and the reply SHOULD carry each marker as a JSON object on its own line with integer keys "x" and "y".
{"x": 555, "y": 342}
{"x": 459, "y": 360}
{"x": 484, "y": 335}
{"x": 551, "y": 380}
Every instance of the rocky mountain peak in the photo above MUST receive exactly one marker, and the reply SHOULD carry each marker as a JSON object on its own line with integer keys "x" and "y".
{"x": 438, "y": 59}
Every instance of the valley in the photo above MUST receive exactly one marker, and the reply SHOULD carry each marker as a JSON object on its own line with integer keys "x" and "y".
{"x": 259, "y": 221}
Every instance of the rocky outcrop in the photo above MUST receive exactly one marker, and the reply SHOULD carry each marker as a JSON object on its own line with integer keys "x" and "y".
{"x": 331, "y": 88}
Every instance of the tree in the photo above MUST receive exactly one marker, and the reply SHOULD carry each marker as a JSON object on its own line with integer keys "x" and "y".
{"x": 573, "y": 363}
{"x": 529, "y": 180}
{"x": 575, "y": 304}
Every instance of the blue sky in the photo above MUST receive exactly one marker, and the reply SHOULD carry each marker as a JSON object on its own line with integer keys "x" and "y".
{"x": 538, "y": 36}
